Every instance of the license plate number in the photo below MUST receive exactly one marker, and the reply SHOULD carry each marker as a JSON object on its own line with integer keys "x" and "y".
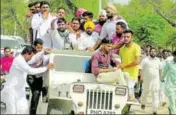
{"x": 101, "y": 112}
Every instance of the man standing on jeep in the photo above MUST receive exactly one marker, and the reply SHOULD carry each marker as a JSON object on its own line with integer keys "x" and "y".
{"x": 105, "y": 67}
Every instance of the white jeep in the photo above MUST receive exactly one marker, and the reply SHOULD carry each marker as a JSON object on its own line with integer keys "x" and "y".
{"x": 73, "y": 91}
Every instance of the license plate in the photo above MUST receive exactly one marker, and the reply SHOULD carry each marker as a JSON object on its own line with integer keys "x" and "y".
{"x": 101, "y": 112}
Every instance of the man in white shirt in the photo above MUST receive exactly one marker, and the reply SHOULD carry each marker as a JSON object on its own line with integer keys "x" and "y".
{"x": 89, "y": 37}
{"x": 75, "y": 33}
{"x": 41, "y": 24}
{"x": 151, "y": 73}
{"x": 60, "y": 35}
{"x": 169, "y": 71}
{"x": 36, "y": 82}
{"x": 109, "y": 27}
{"x": 14, "y": 94}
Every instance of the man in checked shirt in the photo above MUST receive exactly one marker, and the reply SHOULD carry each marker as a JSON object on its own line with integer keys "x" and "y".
{"x": 105, "y": 67}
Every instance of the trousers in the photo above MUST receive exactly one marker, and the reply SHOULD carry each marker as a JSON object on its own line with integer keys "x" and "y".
{"x": 112, "y": 77}
{"x": 35, "y": 85}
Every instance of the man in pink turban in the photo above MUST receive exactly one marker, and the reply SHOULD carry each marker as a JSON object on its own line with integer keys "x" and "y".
{"x": 80, "y": 11}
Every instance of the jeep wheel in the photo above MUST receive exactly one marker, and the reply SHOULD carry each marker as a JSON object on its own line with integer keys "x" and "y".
{"x": 126, "y": 110}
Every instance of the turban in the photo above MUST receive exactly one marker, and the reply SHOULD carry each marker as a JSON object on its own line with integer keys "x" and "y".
{"x": 80, "y": 11}
{"x": 111, "y": 8}
{"x": 89, "y": 24}
{"x": 103, "y": 12}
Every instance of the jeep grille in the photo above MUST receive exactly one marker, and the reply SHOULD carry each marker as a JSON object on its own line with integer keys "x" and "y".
{"x": 99, "y": 99}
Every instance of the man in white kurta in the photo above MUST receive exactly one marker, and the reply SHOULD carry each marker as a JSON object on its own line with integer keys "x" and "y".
{"x": 150, "y": 72}
{"x": 59, "y": 35}
{"x": 162, "y": 84}
{"x": 14, "y": 94}
{"x": 109, "y": 27}
{"x": 41, "y": 24}
{"x": 89, "y": 37}
{"x": 169, "y": 71}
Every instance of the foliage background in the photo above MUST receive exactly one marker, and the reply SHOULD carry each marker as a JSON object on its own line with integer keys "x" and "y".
{"x": 142, "y": 17}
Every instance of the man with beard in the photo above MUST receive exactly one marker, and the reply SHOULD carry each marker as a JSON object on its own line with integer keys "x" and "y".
{"x": 88, "y": 38}
{"x": 170, "y": 71}
{"x": 117, "y": 37}
{"x": 102, "y": 19}
{"x": 86, "y": 16}
{"x": 162, "y": 84}
{"x": 109, "y": 27}
{"x": 151, "y": 72}
{"x": 60, "y": 35}
{"x": 130, "y": 54}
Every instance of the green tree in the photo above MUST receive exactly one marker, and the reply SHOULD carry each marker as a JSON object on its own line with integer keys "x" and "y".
{"x": 13, "y": 17}
{"x": 144, "y": 20}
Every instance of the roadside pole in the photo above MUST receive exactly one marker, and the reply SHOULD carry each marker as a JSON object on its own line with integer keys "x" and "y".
{"x": 100, "y": 5}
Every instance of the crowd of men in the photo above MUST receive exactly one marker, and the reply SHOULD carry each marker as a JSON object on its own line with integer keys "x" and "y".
{"x": 144, "y": 68}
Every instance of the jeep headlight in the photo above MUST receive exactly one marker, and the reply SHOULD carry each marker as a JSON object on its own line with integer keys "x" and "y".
{"x": 78, "y": 88}
{"x": 120, "y": 91}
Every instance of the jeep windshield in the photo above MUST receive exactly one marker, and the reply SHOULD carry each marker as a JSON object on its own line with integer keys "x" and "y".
{"x": 71, "y": 63}
{"x": 11, "y": 43}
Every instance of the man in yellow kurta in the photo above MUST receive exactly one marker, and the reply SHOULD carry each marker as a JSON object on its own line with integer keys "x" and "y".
{"x": 130, "y": 58}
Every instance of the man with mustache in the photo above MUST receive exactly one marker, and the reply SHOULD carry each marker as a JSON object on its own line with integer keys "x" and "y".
{"x": 88, "y": 38}
{"x": 151, "y": 73}
{"x": 108, "y": 28}
{"x": 117, "y": 37}
{"x": 102, "y": 19}
{"x": 60, "y": 35}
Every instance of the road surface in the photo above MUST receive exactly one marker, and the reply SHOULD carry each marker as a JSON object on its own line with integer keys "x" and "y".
{"x": 148, "y": 110}
{"x": 134, "y": 108}
{"x": 42, "y": 108}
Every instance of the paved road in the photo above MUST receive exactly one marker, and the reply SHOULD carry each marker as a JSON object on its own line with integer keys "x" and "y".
{"x": 135, "y": 108}
{"x": 148, "y": 110}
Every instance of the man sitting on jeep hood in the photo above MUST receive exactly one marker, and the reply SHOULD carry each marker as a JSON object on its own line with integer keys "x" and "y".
{"x": 105, "y": 67}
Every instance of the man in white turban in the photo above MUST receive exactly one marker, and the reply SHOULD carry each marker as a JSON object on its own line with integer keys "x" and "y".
{"x": 109, "y": 27}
